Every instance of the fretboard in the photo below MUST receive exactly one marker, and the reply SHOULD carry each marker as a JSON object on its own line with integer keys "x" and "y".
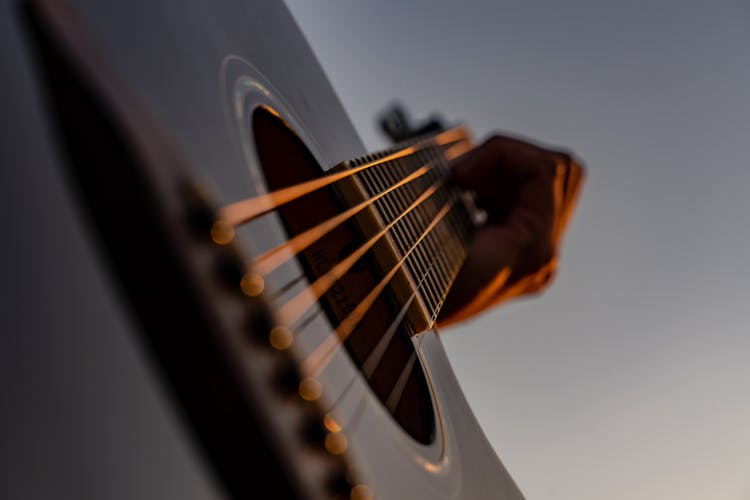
{"x": 430, "y": 221}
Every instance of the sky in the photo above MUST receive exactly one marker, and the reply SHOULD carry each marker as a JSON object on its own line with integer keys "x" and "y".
{"x": 629, "y": 378}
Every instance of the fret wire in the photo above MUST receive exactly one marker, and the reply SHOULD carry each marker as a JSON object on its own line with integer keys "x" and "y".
{"x": 434, "y": 248}
{"x": 431, "y": 249}
{"x": 387, "y": 212}
{"x": 419, "y": 264}
{"x": 302, "y": 301}
{"x": 372, "y": 185}
{"x": 415, "y": 267}
{"x": 395, "y": 206}
{"x": 438, "y": 256}
{"x": 244, "y": 211}
{"x": 440, "y": 232}
{"x": 432, "y": 288}
{"x": 455, "y": 240}
{"x": 380, "y": 179}
{"x": 430, "y": 296}
{"x": 436, "y": 281}
{"x": 441, "y": 256}
{"x": 420, "y": 261}
{"x": 317, "y": 360}
{"x": 445, "y": 292}
{"x": 390, "y": 212}
{"x": 443, "y": 165}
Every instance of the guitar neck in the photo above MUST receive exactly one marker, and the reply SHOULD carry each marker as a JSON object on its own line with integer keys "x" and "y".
{"x": 426, "y": 222}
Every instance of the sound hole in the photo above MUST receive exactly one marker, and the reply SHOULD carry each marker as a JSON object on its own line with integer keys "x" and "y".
{"x": 286, "y": 161}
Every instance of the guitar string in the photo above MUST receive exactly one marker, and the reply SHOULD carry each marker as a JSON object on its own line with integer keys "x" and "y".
{"x": 316, "y": 361}
{"x": 265, "y": 263}
{"x": 297, "y": 305}
{"x": 392, "y": 401}
{"x": 371, "y": 363}
{"x": 305, "y": 239}
{"x": 373, "y": 359}
{"x": 273, "y": 258}
{"x": 319, "y": 358}
{"x": 397, "y": 392}
{"x": 375, "y": 356}
{"x": 394, "y": 396}
{"x": 354, "y": 419}
{"x": 246, "y": 210}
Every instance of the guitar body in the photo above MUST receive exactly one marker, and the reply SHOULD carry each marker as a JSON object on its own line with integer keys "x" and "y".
{"x": 154, "y": 110}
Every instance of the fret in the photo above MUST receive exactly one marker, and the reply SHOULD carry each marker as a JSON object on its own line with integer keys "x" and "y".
{"x": 441, "y": 230}
{"x": 418, "y": 263}
{"x": 373, "y": 184}
{"x": 427, "y": 248}
{"x": 437, "y": 258}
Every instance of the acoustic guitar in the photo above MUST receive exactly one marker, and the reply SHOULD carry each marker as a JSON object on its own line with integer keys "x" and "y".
{"x": 285, "y": 283}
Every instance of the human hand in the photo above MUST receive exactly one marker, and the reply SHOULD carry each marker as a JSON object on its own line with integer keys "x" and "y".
{"x": 528, "y": 193}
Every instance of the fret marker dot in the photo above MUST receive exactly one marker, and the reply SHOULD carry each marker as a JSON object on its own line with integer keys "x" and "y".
{"x": 336, "y": 443}
{"x": 310, "y": 389}
{"x": 280, "y": 338}
{"x": 252, "y": 284}
{"x": 222, "y": 233}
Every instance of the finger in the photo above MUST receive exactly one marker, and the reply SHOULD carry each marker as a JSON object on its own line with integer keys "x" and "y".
{"x": 500, "y": 163}
{"x": 574, "y": 175}
{"x": 491, "y": 249}
{"x": 521, "y": 241}
{"x": 529, "y": 193}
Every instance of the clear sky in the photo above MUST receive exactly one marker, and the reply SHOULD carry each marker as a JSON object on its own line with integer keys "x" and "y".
{"x": 630, "y": 378}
